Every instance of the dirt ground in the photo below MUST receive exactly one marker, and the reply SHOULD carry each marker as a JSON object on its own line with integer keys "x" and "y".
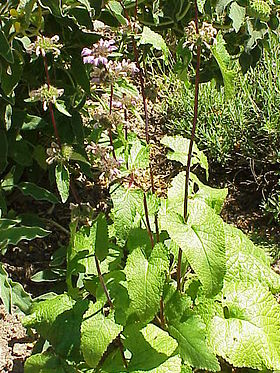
{"x": 15, "y": 344}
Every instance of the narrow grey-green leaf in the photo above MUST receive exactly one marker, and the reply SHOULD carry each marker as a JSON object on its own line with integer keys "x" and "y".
{"x": 38, "y": 193}
{"x": 145, "y": 280}
{"x": 62, "y": 181}
{"x": 97, "y": 332}
{"x": 237, "y": 14}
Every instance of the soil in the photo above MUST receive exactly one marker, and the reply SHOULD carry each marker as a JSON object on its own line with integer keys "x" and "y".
{"x": 15, "y": 344}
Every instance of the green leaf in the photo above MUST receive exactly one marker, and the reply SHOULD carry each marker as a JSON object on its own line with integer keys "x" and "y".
{"x": 101, "y": 237}
{"x": 202, "y": 239}
{"x": 151, "y": 347}
{"x": 47, "y": 362}
{"x": 12, "y": 293}
{"x": 139, "y": 155}
{"x": 8, "y": 117}
{"x": 156, "y": 40}
{"x": 247, "y": 262}
{"x": 213, "y": 197}
{"x": 126, "y": 204}
{"x": 5, "y": 50}
{"x": 223, "y": 59}
{"x": 191, "y": 337}
{"x": 249, "y": 334}
{"x": 19, "y": 151}
{"x": 59, "y": 320}
{"x": 62, "y": 181}
{"x": 32, "y": 122}
{"x": 5, "y": 289}
{"x": 145, "y": 281}
{"x": 38, "y": 193}
{"x": 60, "y": 106}
{"x": 117, "y": 10}
{"x": 97, "y": 332}
{"x": 200, "y": 5}
{"x": 54, "y": 6}
{"x": 237, "y": 14}
{"x": 180, "y": 149}
{"x": 3, "y": 150}
{"x": 13, "y": 235}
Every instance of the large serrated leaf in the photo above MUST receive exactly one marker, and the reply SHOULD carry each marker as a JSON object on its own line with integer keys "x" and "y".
{"x": 58, "y": 320}
{"x": 156, "y": 40}
{"x": 97, "y": 332}
{"x": 126, "y": 205}
{"x": 145, "y": 280}
{"x": 249, "y": 334}
{"x": 247, "y": 262}
{"x": 224, "y": 61}
{"x": 191, "y": 337}
{"x": 237, "y": 14}
{"x": 139, "y": 155}
{"x": 47, "y": 363}
{"x": 150, "y": 347}
{"x": 202, "y": 239}
{"x": 180, "y": 149}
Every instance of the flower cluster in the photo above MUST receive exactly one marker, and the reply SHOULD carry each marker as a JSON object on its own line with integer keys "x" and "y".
{"x": 207, "y": 34}
{"x": 46, "y": 94}
{"x": 54, "y": 153}
{"x": 98, "y": 54}
{"x": 122, "y": 69}
{"x": 108, "y": 165}
{"x": 44, "y": 45}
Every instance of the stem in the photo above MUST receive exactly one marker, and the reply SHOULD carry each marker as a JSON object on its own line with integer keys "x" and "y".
{"x": 110, "y": 127}
{"x": 142, "y": 85}
{"x": 187, "y": 179}
{"x": 101, "y": 279}
{"x": 122, "y": 351}
{"x": 147, "y": 221}
{"x": 50, "y": 103}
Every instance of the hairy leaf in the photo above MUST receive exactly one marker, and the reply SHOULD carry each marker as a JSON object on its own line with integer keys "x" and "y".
{"x": 97, "y": 332}
{"x": 202, "y": 239}
{"x": 47, "y": 363}
{"x": 249, "y": 333}
{"x": 180, "y": 149}
{"x": 191, "y": 337}
{"x": 145, "y": 280}
{"x": 156, "y": 40}
{"x": 247, "y": 262}
{"x": 224, "y": 61}
{"x": 237, "y": 14}
{"x": 58, "y": 320}
{"x": 126, "y": 205}
{"x": 150, "y": 347}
